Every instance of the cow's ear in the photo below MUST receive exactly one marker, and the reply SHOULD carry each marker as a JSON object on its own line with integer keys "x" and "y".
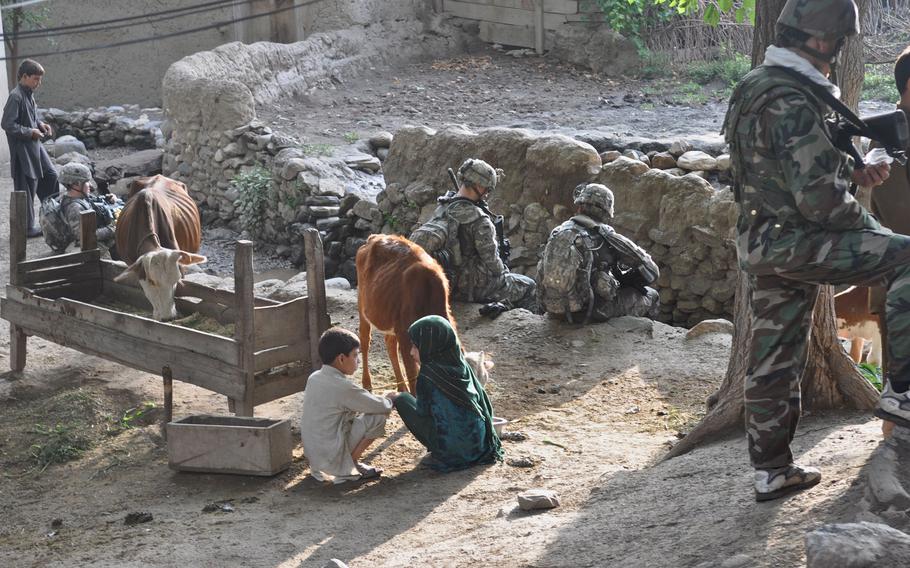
{"x": 132, "y": 275}
{"x": 190, "y": 258}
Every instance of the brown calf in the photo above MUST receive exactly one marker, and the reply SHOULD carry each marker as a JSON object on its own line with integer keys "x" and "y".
{"x": 397, "y": 284}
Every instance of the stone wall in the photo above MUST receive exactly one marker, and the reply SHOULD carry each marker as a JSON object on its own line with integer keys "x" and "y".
{"x": 212, "y": 134}
{"x": 126, "y": 125}
{"x": 683, "y": 220}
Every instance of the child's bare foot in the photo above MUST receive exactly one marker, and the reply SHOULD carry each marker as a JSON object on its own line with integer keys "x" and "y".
{"x": 368, "y": 471}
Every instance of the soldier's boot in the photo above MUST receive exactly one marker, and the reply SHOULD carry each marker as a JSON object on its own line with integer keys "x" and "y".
{"x": 775, "y": 483}
{"x": 894, "y": 406}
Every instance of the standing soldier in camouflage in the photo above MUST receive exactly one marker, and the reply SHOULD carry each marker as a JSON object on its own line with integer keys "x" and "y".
{"x": 462, "y": 236}
{"x": 800, "y": 227}
{"x": 589, "y": 271}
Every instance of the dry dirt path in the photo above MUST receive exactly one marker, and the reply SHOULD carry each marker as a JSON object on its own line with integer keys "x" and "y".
{"x": 611, "y": 396}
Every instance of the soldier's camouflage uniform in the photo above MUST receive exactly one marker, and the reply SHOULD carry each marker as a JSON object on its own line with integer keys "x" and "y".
{"x": 611, "y": 299}
{"x": 799, "y": 228}
{"x": 479, "y": 273}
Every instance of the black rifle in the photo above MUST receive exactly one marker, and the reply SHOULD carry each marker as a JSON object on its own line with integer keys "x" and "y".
{"x": 505, "y": 247}
{"x": 890, "y": 129}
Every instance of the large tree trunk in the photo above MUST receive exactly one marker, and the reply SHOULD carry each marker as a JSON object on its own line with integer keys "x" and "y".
{"x": 831, "y": 380}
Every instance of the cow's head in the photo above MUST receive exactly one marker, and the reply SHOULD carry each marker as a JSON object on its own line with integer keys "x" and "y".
{"x": 158, "y": 272}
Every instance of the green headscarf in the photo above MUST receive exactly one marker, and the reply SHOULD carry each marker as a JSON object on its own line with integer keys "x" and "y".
{"x": 443, "y": 364}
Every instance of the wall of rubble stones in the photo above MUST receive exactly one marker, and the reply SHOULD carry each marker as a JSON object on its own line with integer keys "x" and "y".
{"x": 127, "y": 125}
{"x": 679, "y": 209}
{"x": 211, "y": 133}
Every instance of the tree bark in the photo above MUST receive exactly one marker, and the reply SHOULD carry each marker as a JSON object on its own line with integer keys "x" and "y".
{"x": 830, "y": 380}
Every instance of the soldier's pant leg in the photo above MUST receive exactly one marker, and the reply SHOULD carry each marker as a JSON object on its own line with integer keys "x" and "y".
{"x": 864, "y": 258}
{"x": 781, "y": 320}
{"x": 628, "y": 302}
{"x": 516, "y": 290}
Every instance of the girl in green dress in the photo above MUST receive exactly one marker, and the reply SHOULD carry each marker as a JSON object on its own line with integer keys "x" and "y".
{"x": 451, "y": 414}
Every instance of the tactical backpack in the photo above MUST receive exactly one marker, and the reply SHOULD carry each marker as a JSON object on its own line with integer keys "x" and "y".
{"x": 57, "y": 232}
{"x": 565, "y": 269}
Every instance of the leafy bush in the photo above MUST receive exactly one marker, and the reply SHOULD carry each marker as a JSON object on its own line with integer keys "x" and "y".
{"x": 878, "y": 84}
{"x": 872, "y": 373}
{"x": 729, "y": 71}
{"x": 253, "y": 186}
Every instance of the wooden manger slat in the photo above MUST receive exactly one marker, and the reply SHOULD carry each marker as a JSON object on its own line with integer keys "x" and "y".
{"x": 90, "y": 330}
{"x": 84, "y": 291}
{"x": 284, "y": 324}
{"x": 269, "y": 387}
{"x": 70, "y": 273}
{"x": 67, "y": 259}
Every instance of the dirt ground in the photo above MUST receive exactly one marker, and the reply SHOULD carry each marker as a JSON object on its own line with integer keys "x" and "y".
{"x": 599, "y": 406}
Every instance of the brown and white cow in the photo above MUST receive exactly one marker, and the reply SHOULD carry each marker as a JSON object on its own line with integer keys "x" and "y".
{"x": 397, "y": 284}
{"x": 856, "y": 323}
{"x": 158, "y": 229}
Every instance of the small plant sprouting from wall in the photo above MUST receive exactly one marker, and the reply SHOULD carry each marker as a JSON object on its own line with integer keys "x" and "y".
{"x": 253, "y": 186}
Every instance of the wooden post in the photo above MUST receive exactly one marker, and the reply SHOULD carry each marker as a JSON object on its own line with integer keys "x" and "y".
{"x": 315, "y": 282}
{"x": 244, "y": 328}
{"x": 17, "y": 228}
{"x": 168, "y": 399}
{"x": 88, "y": 224}
{"x": 538, "y": 27}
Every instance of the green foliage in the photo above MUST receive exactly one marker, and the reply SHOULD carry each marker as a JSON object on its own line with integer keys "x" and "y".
{"x": 253, "y": 186}
{"x": 872, "y": 373}
{"x": 630, "y": 17}
{"x": 133, "y": 416}
{"x": 351, "y": 137}
{"x": 690, "y": 94}
{"x": 654, "y": 65}
{"x": 59, "y": 443}
{"x": 729, "y": 71}
{"x": 878, "y": 84}
{"x": 391, "y": 221}
{"x": 317, "y": 149}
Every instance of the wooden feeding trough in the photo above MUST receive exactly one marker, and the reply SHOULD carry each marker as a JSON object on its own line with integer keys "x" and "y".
{"x": 270, "y": 355}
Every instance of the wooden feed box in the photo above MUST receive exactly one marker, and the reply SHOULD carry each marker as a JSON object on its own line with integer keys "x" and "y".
{"x": 229, "y": 444}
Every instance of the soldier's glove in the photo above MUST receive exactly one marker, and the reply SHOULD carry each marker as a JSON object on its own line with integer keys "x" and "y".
{"x": 493, "y": 310}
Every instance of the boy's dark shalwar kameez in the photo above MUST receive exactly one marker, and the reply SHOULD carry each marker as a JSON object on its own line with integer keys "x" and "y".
{"x": 31, "y": 167}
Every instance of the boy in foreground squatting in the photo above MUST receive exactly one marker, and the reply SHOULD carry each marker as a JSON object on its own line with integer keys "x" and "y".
{"x": 339, "y": 419}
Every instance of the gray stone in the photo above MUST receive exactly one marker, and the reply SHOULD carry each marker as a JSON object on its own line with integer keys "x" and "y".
{"x": 365, "y": 162}
{"x": 74, "y": 157}
{"x": 723, "y": 162}
{"x": 364, "y": 210}
{"x": 329, "y": 223}
{"x": 534, "y": 499}
{"x": 630, "y": 324}
{"x": 382, "y": 154}
{"x": 325, "y": 200}
{"x": 710, "y": 326}
{"x": 292, "y": 167}
{"x": 680, "y": 147}
{"x": 609, "y": 156}
{"x": 335, "y": 563}
{"x": 266, "y": 288}
{"x": 695, "y": 160}
{"x": 856, "y": 545}
{"x": 323, "y": 212}
{"x": 330, "y": 186}
{"x": 381, "y": 140}
{"x": 338, "y": 283}
{"x": 421, "y": 193}
{"x": 144, "y": 163}
{"x": 663, "y": 161}
{"x": 67, "y": 144}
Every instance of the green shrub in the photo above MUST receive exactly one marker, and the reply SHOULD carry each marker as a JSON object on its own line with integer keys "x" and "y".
{"x": 253, "y": 186}
{"x": 728, "y": 70}
{"x": 878, "y": 84}
{"x": 872, "y": 373}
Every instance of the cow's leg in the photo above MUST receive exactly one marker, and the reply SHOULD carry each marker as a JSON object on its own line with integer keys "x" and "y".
{"x": 410, "y": 365}
{"x": 366, "y": 336}
{"x": 391, "y": 343}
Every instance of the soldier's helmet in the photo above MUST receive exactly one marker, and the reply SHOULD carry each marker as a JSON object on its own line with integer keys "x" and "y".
{"x": 824, "y": 19}
{"x": 478, "y": 172}
{"x": 596, "y": 200}
{"x": 74, "y": 173}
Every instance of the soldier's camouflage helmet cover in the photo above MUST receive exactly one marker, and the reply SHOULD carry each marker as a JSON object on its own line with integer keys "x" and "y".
{"x": 478, "y": 172}
{"x": 824, "y": 19}
{"x": 594, "y": 197}
{"x": 75, "y": 173}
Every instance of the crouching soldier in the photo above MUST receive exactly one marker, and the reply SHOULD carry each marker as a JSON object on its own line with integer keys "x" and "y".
{"x": 589, "y": 271}
{"x": 76, "y": 178}
{"x": 462, "y": 235}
